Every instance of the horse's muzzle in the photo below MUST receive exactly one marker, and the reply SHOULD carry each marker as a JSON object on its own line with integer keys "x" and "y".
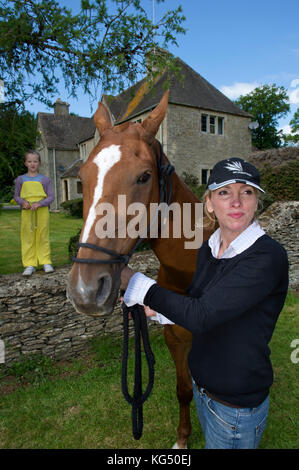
{"x": 93, "y": 298}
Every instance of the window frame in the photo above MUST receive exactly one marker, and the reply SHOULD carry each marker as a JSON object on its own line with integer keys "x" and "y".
{"x": 211, "y": 124}
{"x": 204, "y": 116}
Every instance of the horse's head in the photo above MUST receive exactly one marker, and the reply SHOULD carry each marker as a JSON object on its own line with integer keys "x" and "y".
{"x": 120, "y": 171}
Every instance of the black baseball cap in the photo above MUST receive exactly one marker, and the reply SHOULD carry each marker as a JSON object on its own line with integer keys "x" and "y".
{"x": 234, "y": 170}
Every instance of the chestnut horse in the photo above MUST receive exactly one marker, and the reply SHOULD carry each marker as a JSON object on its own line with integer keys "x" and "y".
{"x": 124, "y": 163}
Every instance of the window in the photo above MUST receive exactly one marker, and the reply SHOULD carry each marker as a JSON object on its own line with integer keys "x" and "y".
{"x": 204, "y": 119}
{"x": 66, "y": 190}
{"x": 83, "y": 147}
{"x": 220, "y": 125}
{"x": 79, "y": 187}
{"x": 204, "y": 176}
{"x": 212, "y": 124}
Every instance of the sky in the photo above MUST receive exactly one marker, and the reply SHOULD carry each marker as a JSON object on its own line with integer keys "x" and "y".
{"x": 236, "y": 45}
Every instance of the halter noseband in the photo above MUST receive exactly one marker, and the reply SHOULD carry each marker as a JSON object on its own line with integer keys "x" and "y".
{"x": 164, "y": 173}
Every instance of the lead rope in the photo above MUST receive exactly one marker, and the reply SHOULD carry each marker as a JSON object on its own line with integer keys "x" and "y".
{"x": 138, "y": 398}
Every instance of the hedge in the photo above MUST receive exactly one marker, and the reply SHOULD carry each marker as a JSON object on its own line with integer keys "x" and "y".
{"x": 281, "y": 182}
{"x": 74, "y": 207}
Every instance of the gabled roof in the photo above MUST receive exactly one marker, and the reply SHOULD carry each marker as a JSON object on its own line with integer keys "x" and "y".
{"x": 73, "y": 169}
{"x": 64, "y": 132}
{"x": 191, "y": 90}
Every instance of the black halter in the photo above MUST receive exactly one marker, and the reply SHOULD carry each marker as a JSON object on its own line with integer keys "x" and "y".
{"x": 164, "y": 175}
{"x": 140, "y": 324}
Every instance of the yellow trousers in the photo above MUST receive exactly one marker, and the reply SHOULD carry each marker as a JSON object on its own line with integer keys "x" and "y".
{"x": 35, "y": 237}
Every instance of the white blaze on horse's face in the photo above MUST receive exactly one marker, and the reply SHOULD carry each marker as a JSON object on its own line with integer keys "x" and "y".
{"x": 104, "y": 160}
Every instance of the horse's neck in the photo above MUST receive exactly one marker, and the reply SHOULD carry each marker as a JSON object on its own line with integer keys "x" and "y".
{"x": 177, "y": 262}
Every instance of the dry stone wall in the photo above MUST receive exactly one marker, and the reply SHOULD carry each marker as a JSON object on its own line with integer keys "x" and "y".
{"x": 281, "y": 222}
{"x": 36, "y": 317}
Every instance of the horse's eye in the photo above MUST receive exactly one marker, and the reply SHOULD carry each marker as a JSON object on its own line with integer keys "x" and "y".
{"x": 143, "y": 178}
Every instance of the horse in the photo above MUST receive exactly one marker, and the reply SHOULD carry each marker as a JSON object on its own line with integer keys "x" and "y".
{"x": 124, "y": 162}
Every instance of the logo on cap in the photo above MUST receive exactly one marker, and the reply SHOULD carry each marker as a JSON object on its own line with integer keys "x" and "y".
{"x": 236, "y": 167}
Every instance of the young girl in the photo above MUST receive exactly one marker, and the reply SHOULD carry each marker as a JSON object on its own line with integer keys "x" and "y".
{"x": 34, "y": 193}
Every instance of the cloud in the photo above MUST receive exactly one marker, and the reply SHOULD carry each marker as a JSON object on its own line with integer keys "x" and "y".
{"x": 286, "y": 129}
{"x": 294, "y": 83}
{"x": 294, "y": 94}
{"x": 237, "y": 89}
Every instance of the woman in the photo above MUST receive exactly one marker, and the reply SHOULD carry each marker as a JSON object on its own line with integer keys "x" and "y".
{"x": 231, "y": 308}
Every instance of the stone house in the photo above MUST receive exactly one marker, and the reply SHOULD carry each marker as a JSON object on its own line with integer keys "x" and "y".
{"x": 201, "y": 127}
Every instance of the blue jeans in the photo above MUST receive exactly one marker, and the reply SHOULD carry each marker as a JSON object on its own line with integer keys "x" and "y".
{"x": 230, "y": 428}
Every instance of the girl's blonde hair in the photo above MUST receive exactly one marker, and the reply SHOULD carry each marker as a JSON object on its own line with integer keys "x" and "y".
{"x": 35, "y": 152}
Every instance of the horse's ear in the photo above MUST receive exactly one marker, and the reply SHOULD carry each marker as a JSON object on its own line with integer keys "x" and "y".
{"x": 152, "y": 122}
{"x": 102, "y": 118}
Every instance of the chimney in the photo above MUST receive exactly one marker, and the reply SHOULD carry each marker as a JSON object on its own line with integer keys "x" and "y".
{"x": 61, "y": 108}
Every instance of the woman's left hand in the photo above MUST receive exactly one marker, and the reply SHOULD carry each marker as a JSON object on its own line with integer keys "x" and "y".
{"x": 125, "y": 276}
{"x": 149, "y": 312}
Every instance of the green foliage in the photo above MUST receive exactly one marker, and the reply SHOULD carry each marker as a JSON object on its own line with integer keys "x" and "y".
{"x": 281, "y": 182}
{"x": 105, "y": 45}
{"x": 192, "y": 182}
{"x": 18, "y": 133}
{"x": 293, "y": 137}
{"x": 294, "y": 123}
{"x": 267, "y": 104}
{"x": 73, "y": 244}
{"x": 33, "y": 368}
{"x": 73, "y": 207}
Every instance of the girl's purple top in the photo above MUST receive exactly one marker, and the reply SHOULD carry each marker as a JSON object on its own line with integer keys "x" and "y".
{"x": 44, "y": 180}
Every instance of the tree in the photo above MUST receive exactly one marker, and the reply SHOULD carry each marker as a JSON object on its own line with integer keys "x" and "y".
{"x": 18, "y": 134}
{"x": 108, "y": 44}
{"x": 293, "y": 137}
{"x": 267, "y": 104}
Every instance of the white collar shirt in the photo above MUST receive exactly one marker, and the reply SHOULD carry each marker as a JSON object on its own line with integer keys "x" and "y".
{"x": 239, "y": 244}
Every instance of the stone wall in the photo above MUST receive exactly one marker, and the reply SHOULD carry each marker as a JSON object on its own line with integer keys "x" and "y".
{"x": 274, "y": 157}
{"x": 36, "y": 317}
{"x": 280, "y": 221}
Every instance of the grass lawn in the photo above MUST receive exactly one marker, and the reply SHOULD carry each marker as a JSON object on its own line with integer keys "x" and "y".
{"x": 79, "y": 404}
{"x": 62, "y": 227}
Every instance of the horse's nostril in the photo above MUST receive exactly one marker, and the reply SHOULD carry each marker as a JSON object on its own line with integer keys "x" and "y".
{"x": 104, "y": 289}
